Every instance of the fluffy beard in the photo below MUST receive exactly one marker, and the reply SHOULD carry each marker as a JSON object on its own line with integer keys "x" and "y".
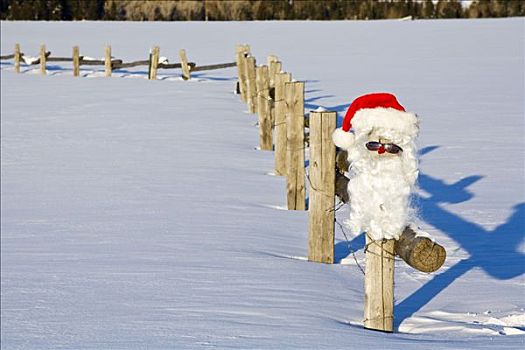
{"x": 379, "y": 190}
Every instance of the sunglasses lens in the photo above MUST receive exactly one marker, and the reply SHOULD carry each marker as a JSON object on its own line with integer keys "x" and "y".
{"x": 392, "y": 148}
{"x": 373, "y": 145}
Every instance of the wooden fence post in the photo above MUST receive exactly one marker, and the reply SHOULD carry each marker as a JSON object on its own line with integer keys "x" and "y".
{"x": 107, "y": 61}
{"x": 379, "y": 285}
{"x": 270, "y": 59}
{"x": 294, "y": 99}
{"x": 251, "y": 88}
{"x": 17, "y": 57}
{"x": 280, "y": 123}
{"x": 186, "y": 75}
{"x": 322, "y": 187}
{"x": 154, "y": 61}
{"x": 275, "y": 68}
{"x": 43, "y": 59}
{"x": 76, "y": 61}
{"x": 242, "y": 51}
{"x": 263, "y": 109}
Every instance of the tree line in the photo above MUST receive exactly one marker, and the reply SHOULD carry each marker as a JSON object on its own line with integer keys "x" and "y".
{"x": 245, "y": 10}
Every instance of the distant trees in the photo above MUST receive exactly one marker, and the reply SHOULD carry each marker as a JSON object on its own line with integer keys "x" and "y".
{"x": 244, "y": 10}
{"x": 495, "y": 8}
{"x": 52, "y": 10}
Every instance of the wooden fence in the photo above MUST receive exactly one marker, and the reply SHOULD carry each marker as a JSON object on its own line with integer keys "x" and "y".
{"x": 279, "y": 103}
{"x": 110, "y": 64}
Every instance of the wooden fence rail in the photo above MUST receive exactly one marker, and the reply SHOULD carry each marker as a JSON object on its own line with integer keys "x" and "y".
{"x": 110, "y": 64}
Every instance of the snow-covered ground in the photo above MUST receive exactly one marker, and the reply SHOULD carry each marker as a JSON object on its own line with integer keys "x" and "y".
{"x": 138, "y": 214}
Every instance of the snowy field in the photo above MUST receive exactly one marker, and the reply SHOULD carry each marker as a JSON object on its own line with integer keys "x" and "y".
{"x": 138, "y": 214}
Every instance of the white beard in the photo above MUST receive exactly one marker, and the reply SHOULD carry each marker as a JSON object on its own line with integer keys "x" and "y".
{"x": 379, "y": 189}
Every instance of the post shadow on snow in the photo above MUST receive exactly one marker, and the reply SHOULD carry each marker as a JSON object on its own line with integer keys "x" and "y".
{"x": 338, "y": 109}
{"x": 343, "y": 249}
{"x": 494, "y": 251}
{"x": 312, "y": 99}
{"x": 312, "y": 106}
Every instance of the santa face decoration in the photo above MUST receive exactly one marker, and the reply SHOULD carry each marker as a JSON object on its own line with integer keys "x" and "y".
{"x": 383, "y": 164}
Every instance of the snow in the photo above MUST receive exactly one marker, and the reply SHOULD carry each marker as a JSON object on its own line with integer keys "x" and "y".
{"x": 139, "y": 214}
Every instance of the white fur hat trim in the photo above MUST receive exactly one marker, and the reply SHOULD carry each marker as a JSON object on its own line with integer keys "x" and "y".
{"x": 404, "y": 123}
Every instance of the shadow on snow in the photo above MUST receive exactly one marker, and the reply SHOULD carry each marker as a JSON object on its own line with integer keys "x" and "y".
{"x": 493, "y": 251}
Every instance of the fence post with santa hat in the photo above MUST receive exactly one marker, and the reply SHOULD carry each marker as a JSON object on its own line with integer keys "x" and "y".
{"x": 378, "y": 136}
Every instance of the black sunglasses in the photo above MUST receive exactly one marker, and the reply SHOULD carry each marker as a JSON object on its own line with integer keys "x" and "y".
{"x": 383, "y": 147}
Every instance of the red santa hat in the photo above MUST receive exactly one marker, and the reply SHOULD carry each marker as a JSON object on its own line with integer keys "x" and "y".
{"x": 376, "y": 110}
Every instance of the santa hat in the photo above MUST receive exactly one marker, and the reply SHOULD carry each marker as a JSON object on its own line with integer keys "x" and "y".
{"x": 377, "y": 110}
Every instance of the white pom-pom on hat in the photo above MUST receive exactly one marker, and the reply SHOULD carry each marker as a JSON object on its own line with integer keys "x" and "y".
{"x": 343, "y": 139}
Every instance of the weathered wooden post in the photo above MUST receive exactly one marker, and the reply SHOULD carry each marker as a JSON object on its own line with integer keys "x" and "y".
{"x": 270, "y": 59}
{"x": 241, "y": 53}
{"x": 76, "y": 61}
{"x": 322, "y": 187}
{"x": 154, "y": 61}
{"x": 274, "y": 69}
{"x": 379, "y": 285}
{"x": 17, "y": 57}
{"x": 263, "y": 109}
{"x": 186, "y": 75}
{"x": 43, "y": 59}
{"x": 251, "y": 88}
{"x": 107, "y": 61}
{"x": 294, "y": 100}
{"x": 280, "y": 123}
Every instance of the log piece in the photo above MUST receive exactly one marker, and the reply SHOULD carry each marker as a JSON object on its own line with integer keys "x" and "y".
{"x": 419, "y": 252}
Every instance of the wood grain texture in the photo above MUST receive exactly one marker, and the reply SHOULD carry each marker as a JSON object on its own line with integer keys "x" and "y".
{"x": 322, "y": 187}
{"x": 241, "y": 52}
{"x": 186, "y": 75}
{"x": 43, "y": 59}
{"x": 295, "y": 174}
{"x": 76, "y": 61}
{"x": 107, "y": 61}
{"x": 379, "y": 285}
{"x": 211, "y": 66}
{"x": 251, "y": 89}
{"x": 17, "y": 57}
{"x": 154, "y": 63}
{"x": 280, "y": 123}
{"x": 263, "y": 108}
{"x": 275, "y": 68}
{"x": 421, "y": 253}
